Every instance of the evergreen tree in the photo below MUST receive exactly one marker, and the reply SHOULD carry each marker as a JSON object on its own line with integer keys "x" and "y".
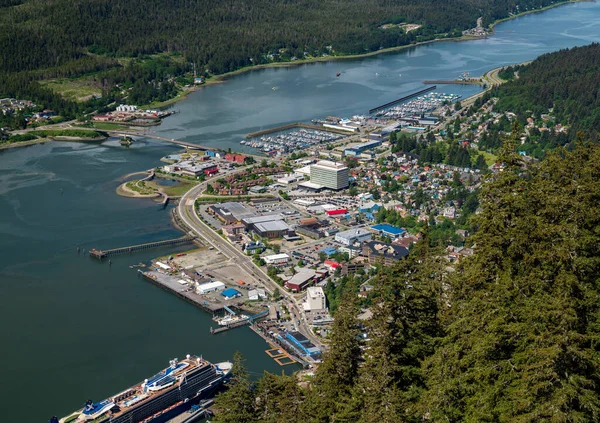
{"x": 237, "y": 403}
{"x": 522, "y": 329}
{"x": 337, "y": 373}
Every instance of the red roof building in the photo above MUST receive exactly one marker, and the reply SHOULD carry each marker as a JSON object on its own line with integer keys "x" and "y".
{"x": 237, "y": 158}
{"x": 336, "y": 212}
{"x": 332, "y": 264}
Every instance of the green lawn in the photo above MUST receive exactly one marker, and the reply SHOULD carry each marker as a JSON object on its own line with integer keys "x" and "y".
{"x": 79, "y": 89}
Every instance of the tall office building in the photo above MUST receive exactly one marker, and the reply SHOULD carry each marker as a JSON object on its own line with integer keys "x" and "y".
{"x": 329, "y": 174}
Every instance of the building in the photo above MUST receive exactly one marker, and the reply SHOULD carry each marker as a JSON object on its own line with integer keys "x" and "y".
{"x": 194, "y": 169}
{"x": 254, "y": 247}
{"x": 233, "y": 229}
{"x": 301, "y": 279}
{"x": 332, "y": 265}
{"x": 236, "y": 158}
{"x": 126, "y": 108}
{"x": 387, "y": 254}
{"x": 277, "y": 259}
{"x": 231, "y": 293}
{"x": 388, "y": 230}
{"x": 205, "y": 288}
{"x": 329, "y": 174}
{"x": 272, "y": 226}
{"x": 315, "y": 299}
{"x": 256, "y": 294}
{"x": 356, "y": 150}
{"x": 351, "y": 236}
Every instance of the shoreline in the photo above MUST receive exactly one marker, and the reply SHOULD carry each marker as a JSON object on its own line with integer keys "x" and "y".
{"x": 217, "y": 79}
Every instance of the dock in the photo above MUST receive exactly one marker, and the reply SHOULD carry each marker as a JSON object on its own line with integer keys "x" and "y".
{"x": 407, "y": 97}
{"x": 250, "y": 320}
{"x": 100, "y": 254}
{"x": 185, "y": 293}
{"x": 471, "y": 81}
{"x": 292, "y": 126}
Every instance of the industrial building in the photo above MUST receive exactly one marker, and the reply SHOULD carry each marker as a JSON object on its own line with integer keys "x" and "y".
{"x": 351, "y": 236}
{"x": 205, "y": 288}
{"x": 272, "y": 226}
{"x": 276, "y": 259}
{"x": 329, "y": 175}
{"x": 361, "y": 148}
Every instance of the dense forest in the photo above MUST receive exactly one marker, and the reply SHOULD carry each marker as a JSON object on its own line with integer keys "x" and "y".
{"x": 565, "y": 85}
{"x": 41, "y": 39}
{"x": 510, "y": 335}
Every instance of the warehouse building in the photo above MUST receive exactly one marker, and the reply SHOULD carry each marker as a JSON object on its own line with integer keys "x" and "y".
{"x": 353, "y": 235}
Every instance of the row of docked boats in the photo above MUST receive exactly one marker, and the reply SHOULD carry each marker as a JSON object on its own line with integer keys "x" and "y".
{"x": 418, "y": 106}
{"x": 291, "y": 141}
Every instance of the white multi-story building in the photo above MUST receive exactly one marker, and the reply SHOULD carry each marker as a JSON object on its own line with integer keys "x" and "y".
{"x": 315, "y": 299}
{"x": 329, "y": 174}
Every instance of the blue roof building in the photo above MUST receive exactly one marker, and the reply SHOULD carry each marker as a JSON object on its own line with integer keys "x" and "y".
{"x": 231, "y": 293}
{"x": 388, "y": 230}
{"x": 329, "y": 251}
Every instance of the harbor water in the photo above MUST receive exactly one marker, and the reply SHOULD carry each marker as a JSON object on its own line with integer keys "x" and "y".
{"x": 73, "y": 328}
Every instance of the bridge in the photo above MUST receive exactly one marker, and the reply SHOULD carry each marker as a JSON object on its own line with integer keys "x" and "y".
{"x": 189, "y": 145}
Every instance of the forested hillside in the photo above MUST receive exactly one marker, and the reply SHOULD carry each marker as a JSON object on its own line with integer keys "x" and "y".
{"x": 510, "y": 335}
{"x": 43, "y": 39}
{"x": 566, "y": 82}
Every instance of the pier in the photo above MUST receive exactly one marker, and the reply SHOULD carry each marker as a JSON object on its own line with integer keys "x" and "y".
{"x": 391, "y": 103}
{"x": 249, "y": 320}
{"x": 292, "y": 126}
{"x": 100, "y": 254}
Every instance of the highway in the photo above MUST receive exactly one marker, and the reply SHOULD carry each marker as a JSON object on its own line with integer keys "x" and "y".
{"x": 187, "y": 213}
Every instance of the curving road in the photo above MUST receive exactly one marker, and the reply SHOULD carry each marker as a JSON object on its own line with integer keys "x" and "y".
{"x": 187, "y": 213}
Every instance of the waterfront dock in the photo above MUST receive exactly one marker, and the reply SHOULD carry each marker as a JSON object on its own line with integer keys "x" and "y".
{"x": 100, "y": 254}
{"x": 293, "y": 126}
{"x": 186, "y": 293}
{"x": 249, "y": 320}
{"x": 407, "y": 97}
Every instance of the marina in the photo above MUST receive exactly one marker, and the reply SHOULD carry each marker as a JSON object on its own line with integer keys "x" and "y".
{"x": 292, "y": 141}
{"x": 400, "y": 100}
{"x": 419, "y": 105}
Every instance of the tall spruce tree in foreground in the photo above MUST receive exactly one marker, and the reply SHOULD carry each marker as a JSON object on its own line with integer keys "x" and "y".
{"x": 337, "y": 373}
{"x": 402, "y": 333}
{"x": 237, "y": 403}
{"x": 278, "y": 399}
{"x": 522, "y": 341}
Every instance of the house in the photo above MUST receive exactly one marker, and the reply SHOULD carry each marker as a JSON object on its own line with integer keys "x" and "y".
{"x": 387, "y": 254}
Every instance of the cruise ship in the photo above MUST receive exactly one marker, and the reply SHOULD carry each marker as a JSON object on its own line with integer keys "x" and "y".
{"x": 159, "y": 398}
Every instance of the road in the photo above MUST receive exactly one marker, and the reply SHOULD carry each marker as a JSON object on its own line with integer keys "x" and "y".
{"x": 187, "y": 213}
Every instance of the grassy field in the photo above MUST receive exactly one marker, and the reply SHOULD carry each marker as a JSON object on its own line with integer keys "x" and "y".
{"x": 109, "y": 126}
{"x": 79, "y": 89}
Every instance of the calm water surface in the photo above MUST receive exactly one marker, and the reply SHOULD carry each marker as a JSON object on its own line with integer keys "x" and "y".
{"x": 72, "y": 328}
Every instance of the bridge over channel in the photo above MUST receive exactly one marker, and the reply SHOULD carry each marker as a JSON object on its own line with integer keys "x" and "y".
{"x": 189, "y": 145}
